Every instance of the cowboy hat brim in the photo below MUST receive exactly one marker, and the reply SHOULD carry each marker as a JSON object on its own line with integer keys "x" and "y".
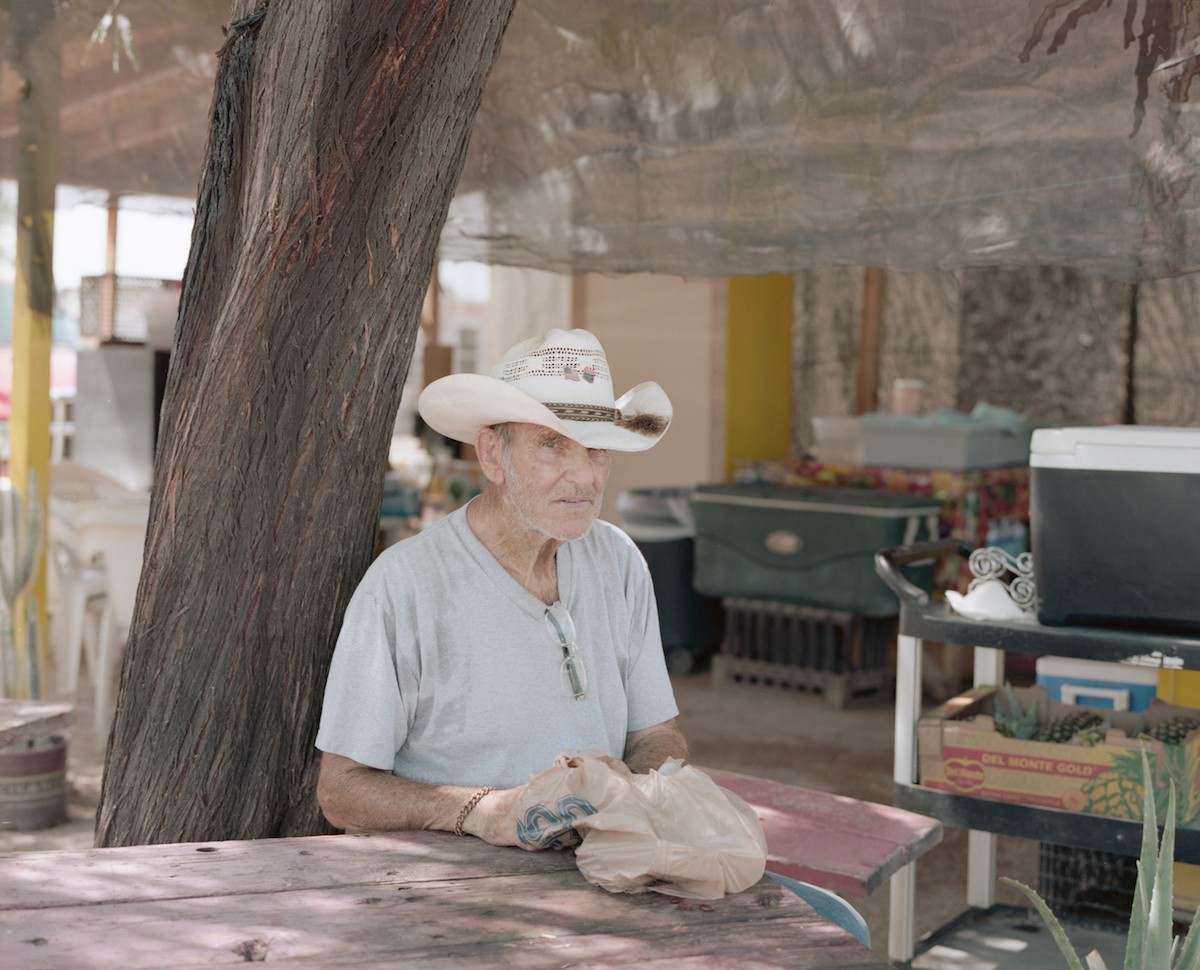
{"x": 461, "y": 405}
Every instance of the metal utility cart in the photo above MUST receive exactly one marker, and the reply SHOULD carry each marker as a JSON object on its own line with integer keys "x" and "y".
{"x": 922, "y": 618}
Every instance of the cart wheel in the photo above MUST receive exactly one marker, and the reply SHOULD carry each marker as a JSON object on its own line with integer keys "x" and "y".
{"x": 679, "y": 660}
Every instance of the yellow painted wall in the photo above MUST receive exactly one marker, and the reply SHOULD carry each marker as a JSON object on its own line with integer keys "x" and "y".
{"x": 758, "y": 411}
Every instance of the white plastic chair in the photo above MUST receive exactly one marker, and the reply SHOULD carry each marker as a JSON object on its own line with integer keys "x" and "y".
{"x": 81, "y": 594}
{"x": 103, "y": 526}
{"x": 117, "y": 535}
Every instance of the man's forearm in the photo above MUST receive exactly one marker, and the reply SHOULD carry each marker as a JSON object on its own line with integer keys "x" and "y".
{"x": 363, "y": 799}
{"x": 359, "y": 798}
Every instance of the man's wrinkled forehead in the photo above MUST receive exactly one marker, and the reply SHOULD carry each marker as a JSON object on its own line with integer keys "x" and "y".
{"x": 538, "y": 434}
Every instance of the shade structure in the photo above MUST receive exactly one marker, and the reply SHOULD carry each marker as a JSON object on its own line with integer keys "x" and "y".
{"x": 733, "y": 137}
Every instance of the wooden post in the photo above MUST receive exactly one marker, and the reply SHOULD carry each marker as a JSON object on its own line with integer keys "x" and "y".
{"x": 579, "y": 314}
{"x": 869, "y": 337}
{"x": 38, "y": 60}
{"x": 108, "y": 285}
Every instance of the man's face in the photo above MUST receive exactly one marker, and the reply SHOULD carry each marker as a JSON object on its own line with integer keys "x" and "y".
{"x": 553, "y": 483}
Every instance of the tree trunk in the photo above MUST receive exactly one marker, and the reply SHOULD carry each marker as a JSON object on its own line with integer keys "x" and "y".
{"x": 338, "y": 133}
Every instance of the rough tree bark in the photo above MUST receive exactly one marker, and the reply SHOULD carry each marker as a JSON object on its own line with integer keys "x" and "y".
{"x": 338, "y": 133}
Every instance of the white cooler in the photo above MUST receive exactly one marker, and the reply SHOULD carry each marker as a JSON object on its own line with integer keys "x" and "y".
{"x": 1115, "y": 526}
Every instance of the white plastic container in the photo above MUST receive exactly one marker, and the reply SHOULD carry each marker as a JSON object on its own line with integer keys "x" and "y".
{"x": 1115, "y": 526}
{"x": 838, "y": 439}
{"x": 896, "y": 441}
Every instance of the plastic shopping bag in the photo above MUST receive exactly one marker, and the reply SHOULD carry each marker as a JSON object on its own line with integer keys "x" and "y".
{"x": 673, "y": 831}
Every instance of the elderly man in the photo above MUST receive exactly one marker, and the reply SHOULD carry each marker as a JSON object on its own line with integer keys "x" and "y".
{"x": 513, "y": 630}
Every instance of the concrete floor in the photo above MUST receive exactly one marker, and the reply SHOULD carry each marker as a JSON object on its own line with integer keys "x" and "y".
{"x": 798, "y": 738}
{"x": 790, "y": 736}
{"x": 1012, "y": 938}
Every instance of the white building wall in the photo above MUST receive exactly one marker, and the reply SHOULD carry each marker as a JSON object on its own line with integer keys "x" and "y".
{"x": 658, "y": 328}
{"x": 669, "y": 330}
{"x": 523, "y": 303}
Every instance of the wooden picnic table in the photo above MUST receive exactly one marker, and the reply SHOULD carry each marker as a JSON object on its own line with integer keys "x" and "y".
{"x": 424, "y": 899}
{"x": 843, "y": 844}
{"x": 22, "y": 722}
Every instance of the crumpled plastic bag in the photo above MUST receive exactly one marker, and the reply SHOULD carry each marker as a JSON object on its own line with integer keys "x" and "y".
{"x": 672, "y": 831}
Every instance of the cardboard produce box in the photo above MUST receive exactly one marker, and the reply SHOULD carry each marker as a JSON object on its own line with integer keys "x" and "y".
{"x": 962, "y": 752}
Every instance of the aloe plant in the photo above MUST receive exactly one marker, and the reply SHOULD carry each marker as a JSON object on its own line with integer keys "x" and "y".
{"x": 20, "y": 546}
{"x": 1151, "y": 944}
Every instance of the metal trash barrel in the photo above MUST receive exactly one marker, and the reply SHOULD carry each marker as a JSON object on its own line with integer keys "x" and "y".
{"x": 33, "y": 784}
{"x": 660, "y": 522}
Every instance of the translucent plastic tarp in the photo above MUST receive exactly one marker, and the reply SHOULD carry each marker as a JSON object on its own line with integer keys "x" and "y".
{"x": 723, "y": 137}
{"x": 744, "y": 136}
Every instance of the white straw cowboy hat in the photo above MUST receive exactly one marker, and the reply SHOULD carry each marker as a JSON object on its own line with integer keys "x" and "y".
{"x": 559, "y": 380}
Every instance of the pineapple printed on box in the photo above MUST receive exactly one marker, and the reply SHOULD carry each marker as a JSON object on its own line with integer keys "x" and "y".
{"x": 1018, "y": 745}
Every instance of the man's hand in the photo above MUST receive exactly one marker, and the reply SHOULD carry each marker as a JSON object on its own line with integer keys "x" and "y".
{"x": 617, "y": 765}
{"x": 648, "y": 748}
{"x": 495, "y": 818}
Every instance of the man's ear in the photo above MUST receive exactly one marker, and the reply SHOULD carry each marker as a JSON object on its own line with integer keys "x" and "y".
{"x": 487, "y": 451}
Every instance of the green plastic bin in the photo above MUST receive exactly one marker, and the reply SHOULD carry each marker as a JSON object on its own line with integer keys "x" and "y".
{"x": 814, "y": 546}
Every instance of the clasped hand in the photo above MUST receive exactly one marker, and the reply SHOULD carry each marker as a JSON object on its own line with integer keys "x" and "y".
{"x": 501, "y": 818}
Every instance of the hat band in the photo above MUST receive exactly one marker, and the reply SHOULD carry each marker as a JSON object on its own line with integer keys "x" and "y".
{"x": 583, "y": 412}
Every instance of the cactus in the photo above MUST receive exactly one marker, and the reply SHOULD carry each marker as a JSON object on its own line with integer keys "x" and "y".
{"x": 1011, "y": 719}
{"x": 20, "y": 546}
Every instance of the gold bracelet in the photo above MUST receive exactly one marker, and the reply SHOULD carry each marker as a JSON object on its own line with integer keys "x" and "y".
{"x": 469, "y": 807}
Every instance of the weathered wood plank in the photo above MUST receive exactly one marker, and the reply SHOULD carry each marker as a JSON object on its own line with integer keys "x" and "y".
{"x": 33, "y": 880}
{"x": 460, "y": 903}
{"x": 776, "y": 944}
{"x": 843, "y": 844}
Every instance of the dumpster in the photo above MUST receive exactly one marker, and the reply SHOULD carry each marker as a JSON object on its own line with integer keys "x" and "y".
{"x": 660, "y": 522}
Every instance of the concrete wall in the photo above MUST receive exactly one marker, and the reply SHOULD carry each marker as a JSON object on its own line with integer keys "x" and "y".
{"x": 1051, "y": 342}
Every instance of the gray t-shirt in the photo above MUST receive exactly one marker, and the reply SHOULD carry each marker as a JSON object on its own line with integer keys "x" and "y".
{"x": 445, "y": 671}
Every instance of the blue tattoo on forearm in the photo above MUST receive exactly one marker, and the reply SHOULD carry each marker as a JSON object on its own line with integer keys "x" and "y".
{"x": 549, "y": 827}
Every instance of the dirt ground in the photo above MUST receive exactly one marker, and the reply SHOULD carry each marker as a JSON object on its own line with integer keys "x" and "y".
{"x": 787, "y": 735}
